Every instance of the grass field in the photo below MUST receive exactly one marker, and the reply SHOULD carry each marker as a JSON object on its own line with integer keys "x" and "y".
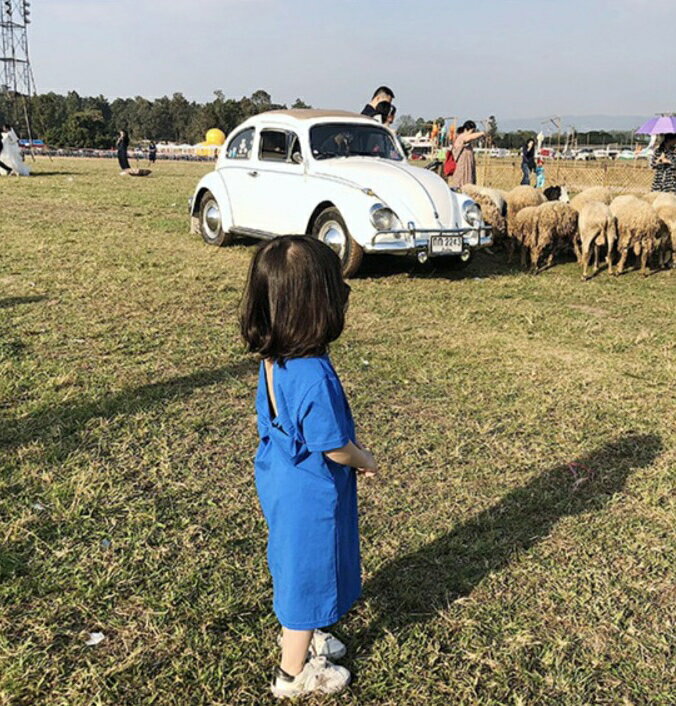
{"x": 492, "y": 574}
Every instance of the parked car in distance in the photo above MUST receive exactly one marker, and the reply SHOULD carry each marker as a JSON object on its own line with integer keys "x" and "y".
{"x": 341, "y": 177}
{"x": 585, "y": 155}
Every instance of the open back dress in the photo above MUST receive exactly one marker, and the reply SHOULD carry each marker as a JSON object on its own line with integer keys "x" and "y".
{"x": 309, "y": 502}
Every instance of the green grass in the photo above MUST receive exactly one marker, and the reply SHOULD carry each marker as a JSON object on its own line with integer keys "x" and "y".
{"x": 127, "y": 503}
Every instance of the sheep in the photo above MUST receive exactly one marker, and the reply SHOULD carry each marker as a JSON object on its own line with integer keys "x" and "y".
{"x": 597, "y": 227}
{"x": 492, "y": 214}
{"x": 595, "y": 193}
{"x": 519, "y": 198}
{"x": 555, "y": 227}
{"x": 557, "y": 193}
{"x": 665, "y": 207}
{"x": 523, "y": 224}
{"x": 638, "y": 227}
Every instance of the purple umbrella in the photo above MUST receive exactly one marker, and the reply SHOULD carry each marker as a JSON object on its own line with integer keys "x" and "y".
{"x": 662, "y": 125}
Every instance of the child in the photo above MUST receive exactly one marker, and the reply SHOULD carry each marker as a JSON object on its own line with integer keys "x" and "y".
{"x": 540, "y": 174}
{"x": 294, "y": 306}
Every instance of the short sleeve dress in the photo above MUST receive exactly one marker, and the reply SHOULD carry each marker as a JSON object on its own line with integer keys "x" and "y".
{"x": 309, "y": 502}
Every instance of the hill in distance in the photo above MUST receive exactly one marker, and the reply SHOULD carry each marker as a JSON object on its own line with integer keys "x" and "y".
{"x": 582, "y": 123}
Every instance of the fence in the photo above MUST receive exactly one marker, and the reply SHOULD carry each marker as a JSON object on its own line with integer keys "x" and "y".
{"x": 576, "y": 176}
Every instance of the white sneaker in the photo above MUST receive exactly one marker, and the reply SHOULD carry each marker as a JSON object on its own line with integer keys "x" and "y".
{"x": 318, "y": 676}
{"x": 324, "y": 644}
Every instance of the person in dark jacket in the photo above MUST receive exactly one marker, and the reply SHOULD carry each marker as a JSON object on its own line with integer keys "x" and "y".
{"x": 382, "y": 94}
{"x": 122, "y": 144}
{"x": 152, "y": 152}
{"x": 527, "y": 161}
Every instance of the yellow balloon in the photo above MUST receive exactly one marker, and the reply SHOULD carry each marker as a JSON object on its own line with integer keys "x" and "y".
{"x": 215, "y": 137}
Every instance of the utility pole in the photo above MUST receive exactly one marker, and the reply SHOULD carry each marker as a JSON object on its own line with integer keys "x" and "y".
{"x": 17, "y": 84}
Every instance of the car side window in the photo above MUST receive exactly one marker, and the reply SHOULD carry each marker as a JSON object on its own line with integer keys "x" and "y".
{"x": 240, "y": 146}
{"x": 273, "y": 145}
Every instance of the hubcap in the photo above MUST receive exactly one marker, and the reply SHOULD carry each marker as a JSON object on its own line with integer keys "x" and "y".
{"x": 211, "y": 220}
{"x": 334, "y": 236}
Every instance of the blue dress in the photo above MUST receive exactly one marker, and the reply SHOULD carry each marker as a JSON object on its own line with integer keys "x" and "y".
{"x": 309, "y": 502}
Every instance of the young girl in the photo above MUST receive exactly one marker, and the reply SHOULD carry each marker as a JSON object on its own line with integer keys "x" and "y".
{"x": 294, "y": 306}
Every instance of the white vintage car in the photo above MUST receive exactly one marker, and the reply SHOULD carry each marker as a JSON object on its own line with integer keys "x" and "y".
{"x": 339, "y": 176}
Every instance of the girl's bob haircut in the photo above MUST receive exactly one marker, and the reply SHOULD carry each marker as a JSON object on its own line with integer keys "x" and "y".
{"x": 295, "y": 299}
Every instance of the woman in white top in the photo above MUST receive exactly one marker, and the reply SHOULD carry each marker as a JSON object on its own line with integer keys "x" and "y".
{"x": 11, "y": 152}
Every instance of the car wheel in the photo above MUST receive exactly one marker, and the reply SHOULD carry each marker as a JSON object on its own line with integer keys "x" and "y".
{"x": 211, "y": 222}
{"x": 330, "y": 228}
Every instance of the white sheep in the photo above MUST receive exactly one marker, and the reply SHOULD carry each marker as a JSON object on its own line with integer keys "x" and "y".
{"x": 639, "y": 228}
{"x": 595, "y": 193}
{"x": 597, "y": 228}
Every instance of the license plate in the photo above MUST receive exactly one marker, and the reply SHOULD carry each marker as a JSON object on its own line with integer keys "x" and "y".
{"x": 445, "y": 244}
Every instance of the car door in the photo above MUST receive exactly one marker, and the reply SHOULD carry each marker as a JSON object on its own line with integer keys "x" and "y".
{"x": 280, "y": 184}
{"x": 238, "y": 171}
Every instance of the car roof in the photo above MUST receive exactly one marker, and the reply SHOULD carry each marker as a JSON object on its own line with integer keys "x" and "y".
{"x": 312, "y": 114}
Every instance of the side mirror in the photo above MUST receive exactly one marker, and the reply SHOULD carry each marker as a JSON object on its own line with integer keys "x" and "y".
{"x": 297, "y": 158}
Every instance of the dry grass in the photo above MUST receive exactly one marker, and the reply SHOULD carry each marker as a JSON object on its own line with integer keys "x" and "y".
{"x": 492, "y": 574}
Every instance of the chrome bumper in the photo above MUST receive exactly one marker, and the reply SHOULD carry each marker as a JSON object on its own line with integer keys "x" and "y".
{"x": 415, "y": 240}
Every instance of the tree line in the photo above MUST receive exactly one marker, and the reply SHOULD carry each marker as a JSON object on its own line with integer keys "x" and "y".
{"x": 94, "y": 121}
{"x": 78, "y": 121}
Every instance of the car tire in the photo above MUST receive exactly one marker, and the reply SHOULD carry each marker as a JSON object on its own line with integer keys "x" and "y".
{"x": 211, "y": 222}
{"x": 330, "y": 228}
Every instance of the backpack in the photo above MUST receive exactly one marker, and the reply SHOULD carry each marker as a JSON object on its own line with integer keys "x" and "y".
{"x": 451, "y": 164}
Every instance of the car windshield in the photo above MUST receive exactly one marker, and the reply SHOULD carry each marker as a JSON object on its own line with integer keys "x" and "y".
{"x": 352, "y": 140}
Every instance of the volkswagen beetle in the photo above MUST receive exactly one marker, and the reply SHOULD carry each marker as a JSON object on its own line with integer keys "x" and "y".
{"x": 339, "y": 176}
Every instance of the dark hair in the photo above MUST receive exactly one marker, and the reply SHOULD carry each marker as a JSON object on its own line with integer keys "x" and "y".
{"x": 383, "y": 89}
{"x": 469, "y": 126}
{"x": 295, "y": 299}
{"x": 665, "y": 138}
{"x": 393, "y": 110}
{"x": 6, "y": 126}
{"x": 383, "y": 109}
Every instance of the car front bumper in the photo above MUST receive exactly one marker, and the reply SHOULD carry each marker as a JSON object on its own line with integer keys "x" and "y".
{"x": 419, "y": 240}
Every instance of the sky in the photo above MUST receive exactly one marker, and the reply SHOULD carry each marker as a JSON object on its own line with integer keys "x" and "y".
{"x": 511, "y": 58}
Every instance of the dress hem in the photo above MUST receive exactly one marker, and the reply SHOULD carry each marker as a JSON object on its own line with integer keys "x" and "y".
{"x": 320, "y": 623}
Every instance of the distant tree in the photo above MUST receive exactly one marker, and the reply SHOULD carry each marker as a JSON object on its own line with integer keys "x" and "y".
{"x": 491, "y": 129}
{"x": 299, "y": 104}
{"x": 406, "y": 125}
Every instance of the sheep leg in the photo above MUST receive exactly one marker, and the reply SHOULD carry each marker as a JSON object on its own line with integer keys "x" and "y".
{"x": 524, "y": 253}
{"x": 623, "y": 260}
{"x": 584, "y": 259}
{"x": 645, "y": 253}
{"x": 550, "y": 259}
{"x": 534, "y": 259}
{"x": 596, "y": 258}
{"x": 578, "y": 253}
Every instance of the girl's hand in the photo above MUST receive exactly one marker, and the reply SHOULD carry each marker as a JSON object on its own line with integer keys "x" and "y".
{"x": 369, "y": 467}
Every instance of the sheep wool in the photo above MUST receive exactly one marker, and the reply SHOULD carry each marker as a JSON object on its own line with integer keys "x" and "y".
{"x": 491, "y": 214}
{"x": 597, "y": 229}
{"x": 639, "y": 228}
{"x": 595, "y": 193}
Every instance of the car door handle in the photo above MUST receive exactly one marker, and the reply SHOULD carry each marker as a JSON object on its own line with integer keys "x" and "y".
{"x": 253, "y": 173}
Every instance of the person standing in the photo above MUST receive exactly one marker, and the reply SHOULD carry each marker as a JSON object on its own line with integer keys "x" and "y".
{"x": 152, "y": 152}
{"x": 382, "y": 94}
{"x": 122, "y": 145}
{"x": 664, "y": 164}
{"x": 463, "y": 154}
{"x": 308, "y": 458}
{"x": 12, "y": 160}
{"x": 528, "y": 161}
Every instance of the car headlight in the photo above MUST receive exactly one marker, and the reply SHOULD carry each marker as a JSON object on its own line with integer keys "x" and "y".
{"x": 384, "y": 218}
{"x": 472, "y": 213}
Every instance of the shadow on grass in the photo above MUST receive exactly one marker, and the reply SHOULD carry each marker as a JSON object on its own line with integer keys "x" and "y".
{"x": 15, "y": 301}
{"x": 411, "y": 589}
{"x": 482, "y": 265}
{"x": 58, "y": 423}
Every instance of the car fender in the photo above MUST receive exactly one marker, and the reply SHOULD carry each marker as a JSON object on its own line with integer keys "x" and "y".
{"x": 213, "y": 182}
{"x": 352, "y": 202}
